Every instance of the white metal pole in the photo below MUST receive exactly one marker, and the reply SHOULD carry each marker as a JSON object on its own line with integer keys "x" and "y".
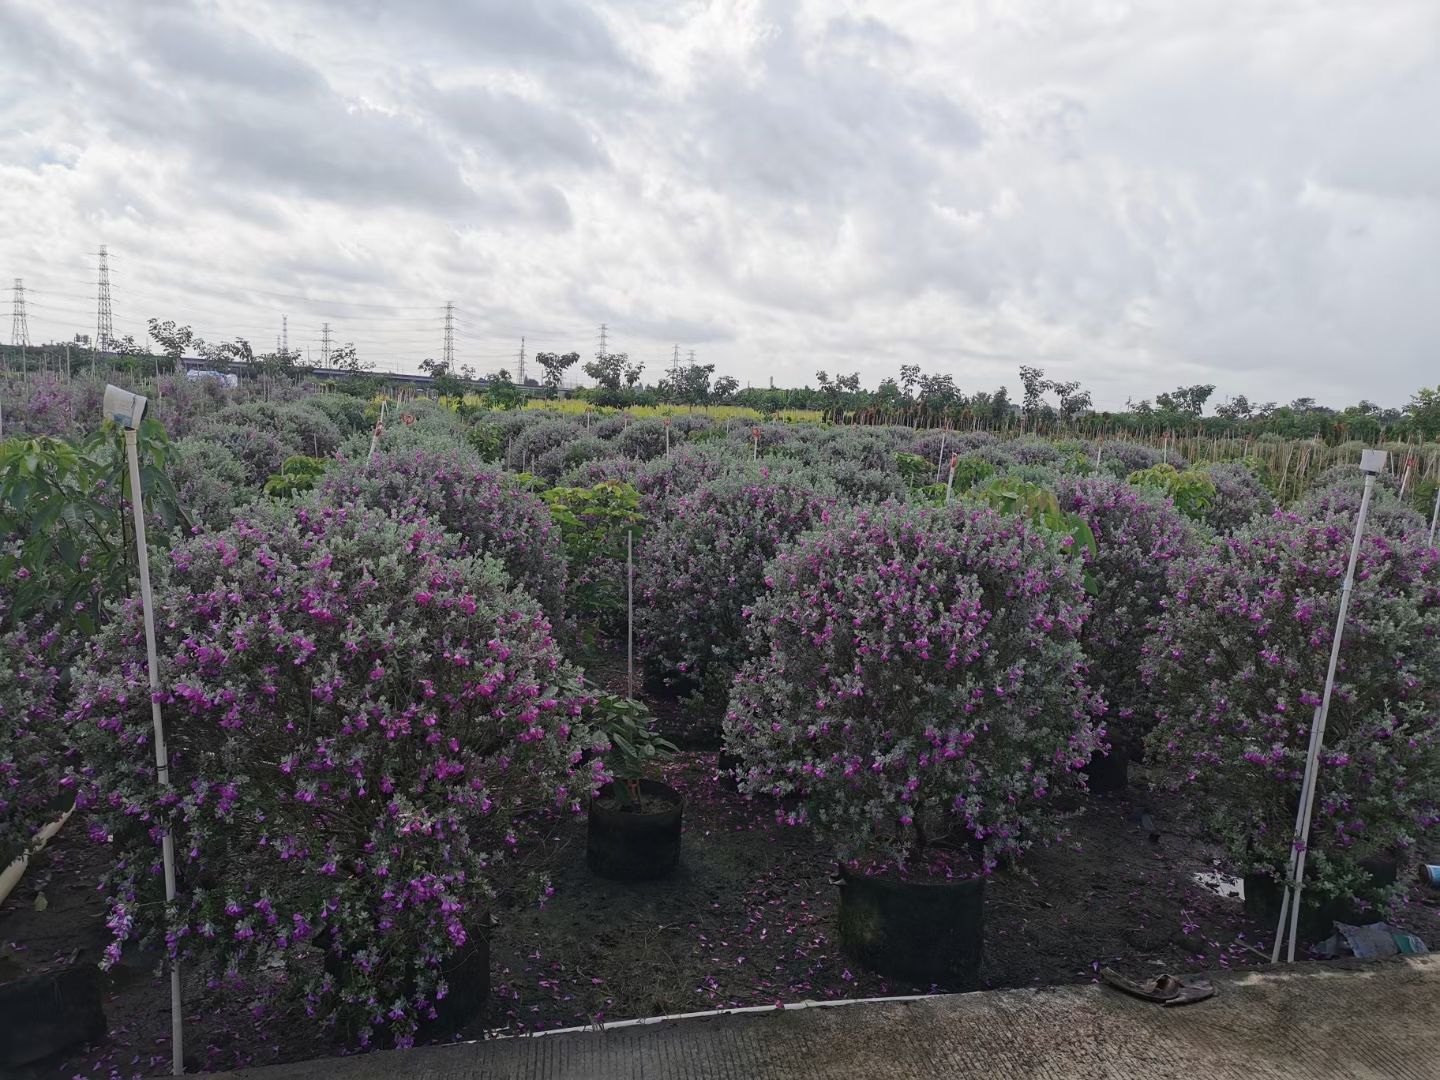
{"x": 630, "y": 614}
{"x": 940, "y": 465}
{"x": 950, "y": 482}
{"x": 1434, "y": 516}
{"x": 162, "y": 757}
{"x": 1295, "y": 885}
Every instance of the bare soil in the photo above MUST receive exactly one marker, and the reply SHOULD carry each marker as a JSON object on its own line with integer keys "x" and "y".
{"x": 747, "y": 919}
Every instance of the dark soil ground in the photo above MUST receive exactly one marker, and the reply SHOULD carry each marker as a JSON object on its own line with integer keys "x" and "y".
{"x": 747, "y": 919}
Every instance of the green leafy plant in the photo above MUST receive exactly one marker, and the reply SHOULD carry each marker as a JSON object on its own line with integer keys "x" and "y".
{"x": 1026, "y": 499}
{"x": 1192, "y": 491}
{"x": 636, "y": 751}
{"x": 65, "y": 522}
{"x": 593, "y": 524}
{"x": 299, "y": 473}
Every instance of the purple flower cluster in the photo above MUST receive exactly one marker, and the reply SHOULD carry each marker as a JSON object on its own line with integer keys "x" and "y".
{"x": 357, "y": 714}
{"x": 491, "y": 514}
{"x": 32, "y": 748}
{"x": 916, "y": 676}
{"x": 704, "y": 561}
{"x": 1138, "y": 536}
{"x": 1238, "y": 662}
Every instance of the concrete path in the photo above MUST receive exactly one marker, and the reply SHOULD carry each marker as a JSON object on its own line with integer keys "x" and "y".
{"x": 1344, "y": 1021}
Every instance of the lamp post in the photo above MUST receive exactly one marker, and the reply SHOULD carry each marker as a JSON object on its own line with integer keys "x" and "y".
{"x": 126, "y": 409}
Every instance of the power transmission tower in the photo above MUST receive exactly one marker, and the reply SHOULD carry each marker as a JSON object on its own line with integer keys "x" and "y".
{"x": 104, "y": 317}
{"x": 603, "y": 340}
{"x": 449, "y": 335}
{"x": 325, "y": 346}
{"x": 675, "y": 356}
{"x": 520, "y": 365}
{"x": 19, "y": 328}
{"x": 691, "y": 358}
{"x": 285, "y": 334}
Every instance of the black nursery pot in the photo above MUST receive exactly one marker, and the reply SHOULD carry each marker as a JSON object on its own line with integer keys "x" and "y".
{"x": 628, "y": 845}
{"x": 1265, "y": 893}
{"x": 927, "y": 932}
{"x": 1108, "y": 772}
{"x": 467, "y": 977}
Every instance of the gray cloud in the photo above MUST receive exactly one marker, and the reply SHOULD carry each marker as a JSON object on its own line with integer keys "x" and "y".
{"x": 1130, "y": 196}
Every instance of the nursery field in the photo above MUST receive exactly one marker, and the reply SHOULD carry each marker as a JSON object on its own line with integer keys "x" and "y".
{"x": 908, "y": 710}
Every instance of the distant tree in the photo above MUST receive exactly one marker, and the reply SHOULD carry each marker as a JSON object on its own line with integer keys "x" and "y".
{"x": 632, "y": 373}
{"x": 1187, "y": 402}
{"x": 1033, "y": 380}
{"x": 607, "y": 369}
{"x": 1073, "y": 400}
{"x": 724, "y": 388}
{"x": 909, "y": 377}
{"x": 555, "y": 365}
{"x": 447, "y": 380}
{"x": 173, "y": 340}
{"x": 502, "y": 393}
{"x": 1237, "y": 408}
{"x": 1424, "y": 412}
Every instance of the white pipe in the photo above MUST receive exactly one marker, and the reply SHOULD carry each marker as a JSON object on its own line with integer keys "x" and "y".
{"x": 162, "y": 759}
{"x": 950, "y": 482}
{"x": 1434, "y": 516}
{"x": 16, "y": 870}
{"x": 1295, "y": 883}
{"x": 741, "y": 1010}
{"x": 630, "y": 614}
{"x": 375, "y": 435}
{"x": 940, "y": 465}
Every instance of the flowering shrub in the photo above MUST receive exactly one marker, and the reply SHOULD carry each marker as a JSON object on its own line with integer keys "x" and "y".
{"x": 916, "y": 675}
{"x": 262, "y": 452}
{"x": 210, "y": 482}
{"x": 1137, "y": 537}
{"x": 525, "y": 449}
{"x": 1239, "y": 497}
{"x": 857, "y": 485}
{"x": 703, "y": 562}
{"x": 1124, "y": 458}
{"x": 556, "y": 462}
{"x": 356, "y": 713}
{"x": 1387, "y": 515}
{"x": 298, "y": 424}
{"x": 644, "y": 440}
{"x": 32, "y": 749}
{"x": 488, "y": 511}
{"x": 1238, "y": 660}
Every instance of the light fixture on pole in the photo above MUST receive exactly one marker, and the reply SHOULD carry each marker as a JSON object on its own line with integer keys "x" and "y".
{"x": 1372, "y": 462}
{"x": 127, "y": 409}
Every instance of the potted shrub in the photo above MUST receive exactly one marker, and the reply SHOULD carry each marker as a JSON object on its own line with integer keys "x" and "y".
{"x": 916, "y": 680}
{"x": 702, "y": 563}
{"x": 1136, "y": 535}
{"x": 358, "y": 715}
{"x": 1239, "y": 657}
{"x": 635, "y": 820}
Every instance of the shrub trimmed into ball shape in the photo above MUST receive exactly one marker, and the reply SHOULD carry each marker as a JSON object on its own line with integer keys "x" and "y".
{"x": 262, "y": 452}
{"x": 1239, "y": 498}
{"x": 916, "y": 675}
{"x": 528, "y": 445}
{"x": 356, "y": 714}
{"x": 1388, "y": 513}
{"x": 209, "y": 482}
{"x": 297, "y": 423}
{"x": 1138, "y": 536}
{"x": 1123, "y": 458}
{"x": 644, "y": 440}
{"x": 490, "y": 512}
{"x": 1239, "y": 658}
{"x": 703, "y": 561}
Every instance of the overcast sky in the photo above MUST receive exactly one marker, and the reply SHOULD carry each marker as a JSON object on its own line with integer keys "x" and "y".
{"x": 1135, "y": 195}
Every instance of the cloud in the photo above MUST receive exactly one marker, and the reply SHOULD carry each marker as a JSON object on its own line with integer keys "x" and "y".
{"x": 1129, "y": 195}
